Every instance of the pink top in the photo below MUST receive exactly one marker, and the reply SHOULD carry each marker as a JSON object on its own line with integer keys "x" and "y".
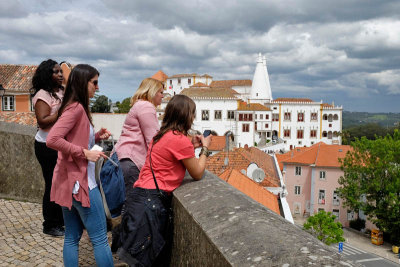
{"x": 70, "y": 135}
{"x": 50, "y": 100}
{"x": 141, "y": 124}
{"x": 167, "y": 163}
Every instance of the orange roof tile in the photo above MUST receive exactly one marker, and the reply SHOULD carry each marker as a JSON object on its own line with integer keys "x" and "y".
{"x": 243, "y": 106}
{"x": 209, "y": 93}
{"x": 17, "y": 78}
{"x": 320, "y": 154}
{"x": 230, "y": 83}
{"x": 183, "y": 75}
{"x": 240, "y": 159}
{"x": 24, "y": 118}
{"x": 326, "y": 105}
{"x": 199, "y": 84}
{"x": 217, "y": 143}
{"x": 252, "y": 189}
{"x": 160, "y": 75}
{"x": 288, "y": 99}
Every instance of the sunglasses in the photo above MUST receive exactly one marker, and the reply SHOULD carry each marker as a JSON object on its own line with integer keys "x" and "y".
{"x": 95, "y": 82}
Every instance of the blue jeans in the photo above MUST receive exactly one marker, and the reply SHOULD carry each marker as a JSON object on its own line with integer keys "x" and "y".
{"x": 94, "y": 220}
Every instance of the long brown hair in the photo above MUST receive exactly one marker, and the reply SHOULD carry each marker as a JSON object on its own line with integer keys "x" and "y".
{"x": 77, "y": 88}
{"x": 178, "y": 116}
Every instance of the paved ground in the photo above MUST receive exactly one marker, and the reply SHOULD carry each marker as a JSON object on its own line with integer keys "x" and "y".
{"x": 22, "y": 242}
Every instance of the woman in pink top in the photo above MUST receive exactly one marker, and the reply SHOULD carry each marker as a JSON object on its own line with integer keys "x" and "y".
{"x": 47, "y": 96}
{"x": 145, "y": 238}
{"x": 74, "y": 185}
{"x": 141, "y": 124}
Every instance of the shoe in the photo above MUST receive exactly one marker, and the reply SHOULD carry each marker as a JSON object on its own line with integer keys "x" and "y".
{"x": 55, "y": 231}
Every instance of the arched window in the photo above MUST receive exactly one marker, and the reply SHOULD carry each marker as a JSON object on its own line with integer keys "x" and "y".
{"x": 329, "y": 135}
{"x": 324, "y": 134}
{"x": 335, "y": 117}
{"x": 325, "y": 117}
{"x": 330, "y": 117}
{"x": 335, "y": 134}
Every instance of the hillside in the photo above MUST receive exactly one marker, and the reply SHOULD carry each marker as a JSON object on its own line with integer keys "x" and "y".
{"x": 362, "y": 118}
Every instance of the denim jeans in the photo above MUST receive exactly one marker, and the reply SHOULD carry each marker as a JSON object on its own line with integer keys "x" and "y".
{"x": 94, "y": 220}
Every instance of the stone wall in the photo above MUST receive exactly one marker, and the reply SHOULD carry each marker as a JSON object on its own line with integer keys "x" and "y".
{"x": 20, "y": 173}
{"x": 215, "y": 224}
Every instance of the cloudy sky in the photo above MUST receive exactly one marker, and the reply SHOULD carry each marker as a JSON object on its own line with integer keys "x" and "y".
{"x": 342, "y": 51}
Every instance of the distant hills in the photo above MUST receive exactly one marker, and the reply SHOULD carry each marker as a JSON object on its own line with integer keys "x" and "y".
{"x": 351, "y": 119}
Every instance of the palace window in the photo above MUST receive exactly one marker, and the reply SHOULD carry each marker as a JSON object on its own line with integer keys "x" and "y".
{"x": 231, "y": 114}
{"x": 336, "y": 199}
{"x": 245, "y": 127}
{"x": 266, "y": 126}
{"x": 313, "y": 133}
{"x": 189, "y": 81}
{"x": 300, "y": 134}
{"x": 261, "y": 116}
{"x": 179, "y": 80}
{"x": 300, "y": 116}
{"x": 275, "y": 117}
{"x": 286, "y": 116}
{"x": 266, "y": 116}
{"x": 314, "y": 116}
{"x": 8, "y": 103}
{"x": 205, "y": 115}
{"x": 322, "y": 175}
{"x": 286, "y": 133}
{"x": 217, "y": 114}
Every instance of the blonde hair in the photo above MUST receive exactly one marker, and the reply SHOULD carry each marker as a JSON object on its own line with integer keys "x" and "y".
{"x": 147, "y": 90}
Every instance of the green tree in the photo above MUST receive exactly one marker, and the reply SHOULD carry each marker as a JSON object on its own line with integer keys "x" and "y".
{"x": 323, "y": 226}
{"x": 100, "y": 104}
{"x": 371, "y": 181}
{"x": 124, "y": 106}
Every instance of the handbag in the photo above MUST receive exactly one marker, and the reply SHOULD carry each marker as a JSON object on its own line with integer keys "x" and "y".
{"x": 112, "y": 186}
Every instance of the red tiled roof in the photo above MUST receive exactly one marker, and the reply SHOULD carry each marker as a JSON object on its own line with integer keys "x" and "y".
{"x": 326, "y": 105}
{"x": 183, "y": 75}
{"x": 320, "y": 154}
{"x": 240, "y": 159}
{"x": 24, "y": 118}
{"x": 243, "y": 106}
{"x": 199, "y": 84}
{"x": 17, "y": 78}
{"x": 217, "y": 143}
{"x": 230, "y": 83}
{"x": 160, "y": 75}
{"x": 209, "y": 93}
{"x": 288, "y": 99}
{"x": 251, "y": 189}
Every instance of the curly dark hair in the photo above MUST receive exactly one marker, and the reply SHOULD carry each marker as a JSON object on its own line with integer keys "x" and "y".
{"x": 42, "y": 79}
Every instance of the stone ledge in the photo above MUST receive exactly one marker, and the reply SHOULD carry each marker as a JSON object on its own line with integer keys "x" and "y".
{"x": 217, "y": 225}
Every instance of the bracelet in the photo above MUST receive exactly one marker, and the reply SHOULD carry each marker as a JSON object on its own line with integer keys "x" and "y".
{"x": 204, "y": 151}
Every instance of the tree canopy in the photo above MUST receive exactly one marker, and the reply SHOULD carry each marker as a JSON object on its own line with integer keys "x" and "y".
{"x": 371, "y": 181}
{"x": 100, "y": 104}
{"x": 323, "y": 226}
{"x": 124, "y": 106}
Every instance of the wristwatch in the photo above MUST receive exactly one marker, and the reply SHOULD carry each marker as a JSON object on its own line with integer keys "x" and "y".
{"x": 204, "y": 151}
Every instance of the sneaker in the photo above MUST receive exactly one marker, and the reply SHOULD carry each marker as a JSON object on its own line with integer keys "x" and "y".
{"x": 55, "y": 231}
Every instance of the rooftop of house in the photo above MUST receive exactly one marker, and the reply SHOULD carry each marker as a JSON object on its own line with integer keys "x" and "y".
{"x": 240, "y": 159}
{"x": 17, "y": 78}
{"x": 243, "y": 106}
{"x": 291, "y": 99}
{"x": 250, "y": 188}
{"x": 320, "y": 154}
{"x": 217, "y": 143}
{"x": 24, "y": 118}
{"x": 230, "y": 83}
{"x": 184, "y": 75}
{"x": 208, "y": 93}
{"x": 199, "y": 84}
{"x": 160, "y": 75}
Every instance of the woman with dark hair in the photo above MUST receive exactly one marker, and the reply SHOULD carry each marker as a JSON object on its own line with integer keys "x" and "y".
{"x": 145, "y": 237}
{"x": 47, "y": 96}
{"x": 74, "y": 186}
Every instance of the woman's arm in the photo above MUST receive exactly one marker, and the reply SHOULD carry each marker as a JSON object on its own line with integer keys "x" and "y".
{"x": 56, "y": 138}
{"x": 43, "y": 117}
{"x": 196, "y": 166}
{"x": 148, "y": 123}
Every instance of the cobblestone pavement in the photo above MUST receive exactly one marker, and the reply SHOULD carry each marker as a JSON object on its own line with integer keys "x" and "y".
{"x": 22, "y": 242}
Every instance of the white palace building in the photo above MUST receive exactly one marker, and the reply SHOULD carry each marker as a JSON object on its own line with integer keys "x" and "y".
{"x": 246, "y": 108}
